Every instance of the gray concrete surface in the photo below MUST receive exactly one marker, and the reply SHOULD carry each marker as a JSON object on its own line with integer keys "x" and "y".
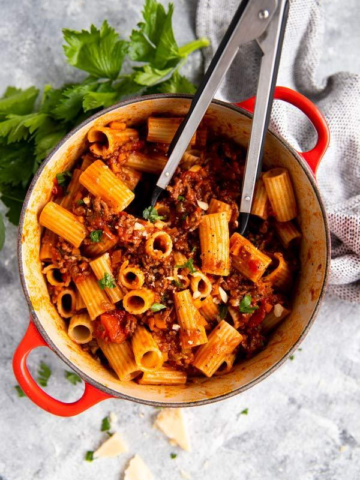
{"x": 303, "y": 421}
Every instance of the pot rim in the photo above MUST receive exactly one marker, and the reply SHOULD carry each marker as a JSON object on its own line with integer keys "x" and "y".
{"x": 303, "y": 164}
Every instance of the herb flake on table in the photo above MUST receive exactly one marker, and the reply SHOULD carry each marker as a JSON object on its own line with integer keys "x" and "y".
{"x": 105, "y": 424}
{"x": 72, "y": 377}
{"x": 89, "y": 457}
{"x": 44, "y": 373}
{"x": 244, "y": 412}
{"x": 173, "y": 455}
{"x": 19, "y": 391}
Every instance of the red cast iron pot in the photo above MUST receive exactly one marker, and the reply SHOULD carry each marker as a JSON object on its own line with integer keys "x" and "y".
{"x": 46, "y": 328}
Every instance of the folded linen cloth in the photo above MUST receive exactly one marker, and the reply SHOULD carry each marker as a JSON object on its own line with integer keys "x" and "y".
{"x": 338, "y": 97}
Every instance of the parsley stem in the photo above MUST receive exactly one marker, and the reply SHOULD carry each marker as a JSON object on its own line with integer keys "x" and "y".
{"x": 190, "y": 47}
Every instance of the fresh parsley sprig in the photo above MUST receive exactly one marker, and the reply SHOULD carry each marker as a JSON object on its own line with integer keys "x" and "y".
{"x": 107, "y": 281}
{"x": 245, "y": 305}
{"x": 44, "y": 373}
{"x": 31, "y": 127}
{"x": 156, "y": 307}
{"x": 72, "y": 377}
{"x": 152, "y": 215}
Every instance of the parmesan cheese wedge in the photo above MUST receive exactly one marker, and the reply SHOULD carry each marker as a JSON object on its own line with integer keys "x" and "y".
{"x": 138, "y": 470}
{"x": 112, "y": 447}
{"x": 171, "y": 421}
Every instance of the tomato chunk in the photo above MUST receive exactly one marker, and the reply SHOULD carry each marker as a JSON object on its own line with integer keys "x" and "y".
{"x": 115, "y": 326}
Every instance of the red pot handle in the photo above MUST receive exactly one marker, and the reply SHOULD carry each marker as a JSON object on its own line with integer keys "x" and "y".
{"x": 313, "y": 156}
{"x": 32, "y": 339}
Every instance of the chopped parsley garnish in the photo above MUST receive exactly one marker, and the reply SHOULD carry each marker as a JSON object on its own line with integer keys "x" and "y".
{"x": 105, "y": 424}
{"x": 89, "y": 457}
{"x": 193, "y": 250}
{"x": 245, "y": 305}
{"x": 151, "y": 214}
{"x": 223, "y": 311}
{"x": 156, "y": 307}
{"x": 95, "y": 236}
{"x": 184, "y": 217}
{"x": 173, "y": 455}
{"x": 19, "y": 391}
{"x": 63, "y": 178}
{"x": 80, "y": 202}
{"x": 181, "y": 198}
{"x": 72, "y": 377}
{"x": 244, "y": 412}
{"x": 177, "y": 284}
{"x": 44, "y": 373}
{"x": 189, "y": 264}
{"x": 292, "y": 357}
{"x": 107, "y": 281}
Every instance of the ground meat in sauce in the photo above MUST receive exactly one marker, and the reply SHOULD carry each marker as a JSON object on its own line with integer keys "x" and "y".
{"x": 219, "y": 175}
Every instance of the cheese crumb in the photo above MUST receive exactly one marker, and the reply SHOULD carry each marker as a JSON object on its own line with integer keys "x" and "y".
{"x": 203, "y": 205}
{"x": 223, "y": 295}
{"x": 112, "y": 447}
{"x": 278, "y": 310}
{"x": 138, "y": 470}
{"x": 176, "y": 326}
{"x": 171, "y": 421}
{"x": 185, "y": 475}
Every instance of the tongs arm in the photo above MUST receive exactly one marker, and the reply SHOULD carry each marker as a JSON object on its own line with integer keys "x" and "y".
{"x": 270, "y": 43}
{"x": 249, "y": 23}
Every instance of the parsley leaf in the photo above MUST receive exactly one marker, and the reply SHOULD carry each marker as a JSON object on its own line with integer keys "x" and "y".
{"x": 189, "y": 264}
{"x": 80, "y": 202}
{"x": 44, "y": 373}
{"x": 17, "y": 101}
{"x": 151, "y": 214}
{"x": 156, "y": 307}
{"x": 245, "y": 305}
{"x": 244, "y": 412}
{"x": 223, "y": 311}
{"x": 105, "y": 424}
{"x": 71, "y": 102}
{"x": 19, "y": 391}
{"x": 177, "y": 283}
{"x": 173, "y": 455}
{"x": 72, "y": 377}
{"x": 292, "y": 357}
{"x": 180, "y": 198}
{"x": 98, "y": 52}
{"x": 107, "y": 281}
{"x": 89, "y": 457}
{"x": 95, "y": 236}
{"x": 63, "y": 178}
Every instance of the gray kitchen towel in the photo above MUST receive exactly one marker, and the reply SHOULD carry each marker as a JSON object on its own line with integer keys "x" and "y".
{"x": 338, "y": 97}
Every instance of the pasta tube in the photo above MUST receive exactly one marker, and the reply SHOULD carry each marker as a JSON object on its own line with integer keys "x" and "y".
{"x": 63, "y": 223}
{"x": 149, "y": 163}
{"x": 192, "y": 331}
{"x": 106, "y": 140}
{"x": 130, "y": 177}
{"x": 274, "y": 318}
{"x": 121, "y": 359}
{"x": 158, "y": 245}
{"x": 247, "y": 259}
{"x": 287, "y": 232}
{"x": 222, "y": 341}
{"x": 260, "y": 202}
{"x": 66, "y": 302}
{"x": 108, "y": 241}
{"x": 227, "y": 364}
{"x": 95, "y": 299}
{"x": 209, "y": 309}
{"x": 80, "y": 304}
{"x": 55, "y": 277}
{"x": 214, "y": 242}
{"x": 102, "y": 266}
{"x": 148, "y": 356}
{"x": 130, "y": 277}
{"x": 281, "y": 277}
{"x": 162, "y": 130}
{"x": 81, "y": 328}
{"x": 47, "y": 243}
{"x": 216, "y": 206}
{"x": 200, "y": 285}
{"x": 163, "y": 376}
{"x": 281, "y": 194}
{"x": 72, "y": 189}
{"x": 138, "y": 301}
{"x": 102, "y": 182}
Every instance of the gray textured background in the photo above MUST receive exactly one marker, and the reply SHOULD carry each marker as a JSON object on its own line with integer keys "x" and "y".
{"x": 303, "y": 421}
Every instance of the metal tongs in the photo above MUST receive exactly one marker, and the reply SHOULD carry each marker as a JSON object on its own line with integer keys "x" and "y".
{"x": 260, "y": 20}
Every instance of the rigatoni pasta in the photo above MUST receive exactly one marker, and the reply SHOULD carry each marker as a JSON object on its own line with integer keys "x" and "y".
{"x": 214, "y": 241}
{"x": 162, "y": 294}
